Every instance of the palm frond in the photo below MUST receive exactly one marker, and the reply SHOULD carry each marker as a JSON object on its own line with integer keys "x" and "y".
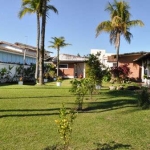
{"x": 58, "y": 42}
{"x": 135, "y": 23}
{"x": 128, "y": 36}
{"x": 24, "y": 11}
{"x": 105, "y": 26}
{"x": 51, "y": 7}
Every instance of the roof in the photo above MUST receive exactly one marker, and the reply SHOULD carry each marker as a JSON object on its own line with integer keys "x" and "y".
{"x": 18, "y": 48}
{"x": 132, "y": 53}
{"x": 147, "y": 55}
{"x": 112, "y": 58}
{"x": 28, "y": 46}
{"x": 25, "y": 46}
{"x": 70, "y": 58}
{"x": 10, "y": 44}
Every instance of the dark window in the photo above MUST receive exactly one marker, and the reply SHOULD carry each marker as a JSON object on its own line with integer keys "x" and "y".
{"x": 63, "y": 66}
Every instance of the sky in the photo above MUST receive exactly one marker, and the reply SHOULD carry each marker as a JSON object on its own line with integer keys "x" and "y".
{"x": 76, "y": 22}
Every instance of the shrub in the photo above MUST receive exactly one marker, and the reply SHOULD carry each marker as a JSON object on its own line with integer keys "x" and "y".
{"x": 94, "y": 69}
{"x": 64, "y": 123}
{"x": 107, "y": 75}
{"x": 79, "y": 89}
{"x": 90, "y": 84}
{"x": 143, "y": 99}
{"x": 121, "y": 72}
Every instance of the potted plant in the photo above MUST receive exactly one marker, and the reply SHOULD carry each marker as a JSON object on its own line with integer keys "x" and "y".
{"x": 52, "y": 75}
{"x": 59, "y": 81}
{"x": 20, "y": 82}
{"x": 112, "y": 87}
{"x": 46, "y": 75}
{"x": 98, "y": 84}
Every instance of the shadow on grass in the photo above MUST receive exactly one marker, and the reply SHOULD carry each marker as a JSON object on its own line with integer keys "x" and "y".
{"x": 27, "y": 115}
{"x": 55, "y": 147}
{"x": 118, "y": 100}
{"x": 119, "y": 93}
{"x": 22, "y": 97}
{"x": 31, "y": 86}
{"x": 112, "y": 146}
{"x": 46, "y": 112}
{"x": 110, "y": 105}
{"x": 28, "y": 110}
{"x": 99, "y": 146}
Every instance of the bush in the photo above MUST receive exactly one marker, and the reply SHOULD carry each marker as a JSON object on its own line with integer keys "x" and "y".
{"x": 94, "y": 69}
{"x": 121, "y": 72}
{"x": 64, "y": 123}
{"x": 79, "y": 89}
{"x": 107, "y": 75}
{"x": 143, "y": 99}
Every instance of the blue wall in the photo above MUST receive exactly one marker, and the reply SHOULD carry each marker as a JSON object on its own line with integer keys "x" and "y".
{"x": 14, "y": 58}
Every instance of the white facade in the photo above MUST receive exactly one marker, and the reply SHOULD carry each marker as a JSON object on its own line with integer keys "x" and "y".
{"x": 103, "y": 57}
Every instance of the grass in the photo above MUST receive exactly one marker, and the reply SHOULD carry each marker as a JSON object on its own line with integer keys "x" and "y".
{"x": 27, "y": 115}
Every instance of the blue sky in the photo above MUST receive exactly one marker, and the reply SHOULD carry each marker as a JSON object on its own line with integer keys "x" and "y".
{"x": 76, "y": 21}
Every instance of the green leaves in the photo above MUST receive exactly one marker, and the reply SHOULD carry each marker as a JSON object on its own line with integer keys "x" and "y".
{"x": 64, "y": 123}
{"x": 79, "y": 88}
{"x": 119, "y": 23}
{"x": 94, "y": 69}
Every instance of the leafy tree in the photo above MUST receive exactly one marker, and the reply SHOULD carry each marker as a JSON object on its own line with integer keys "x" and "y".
{"x": 78, "y": 55}
{"x": 119, "y": 23}
{"x": 94, "y": 69}
{"x": 90, "y": 85}
{"x": 79, "y": 89}
{"x": 35, "y": 7}
{"x": 57, "y": 43}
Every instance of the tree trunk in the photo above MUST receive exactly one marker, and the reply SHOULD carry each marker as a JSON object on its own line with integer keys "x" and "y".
{"x": 44, "y": 2}
{"x": 37, "y": 52}
{"x": 79, "y": 107}
{"x": 57, "y": 62}
{"x": 118, "y": 47}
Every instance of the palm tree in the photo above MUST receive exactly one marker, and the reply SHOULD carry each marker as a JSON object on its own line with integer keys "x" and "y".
{"x": 119, "y": 24}
{"x": 57, "y": 43}
{"x": 32, "y": 7}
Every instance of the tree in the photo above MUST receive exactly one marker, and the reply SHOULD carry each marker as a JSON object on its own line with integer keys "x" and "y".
{"x": 57, "y": 43}
{"x": 119, "y": 24}
{"x": 79, "y": 89}
{"x": 94, "y": 69}
{"x": 35, "y": 7}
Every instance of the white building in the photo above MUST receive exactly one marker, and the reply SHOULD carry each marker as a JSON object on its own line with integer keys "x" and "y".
{"x": 103, "y": 57}
{"x": 14, "y": 56}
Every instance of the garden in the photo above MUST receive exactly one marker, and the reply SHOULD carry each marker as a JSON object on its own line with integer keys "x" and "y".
{"x": 111, "y": 119}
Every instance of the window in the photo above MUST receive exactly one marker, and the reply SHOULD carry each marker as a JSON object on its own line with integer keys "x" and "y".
{"x": 63, "y": 66}
{"x": 145, "y": 72}
{"x": 114, "y": 64}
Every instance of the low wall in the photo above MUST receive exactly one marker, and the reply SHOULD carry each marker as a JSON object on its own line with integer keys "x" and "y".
{"x": 10, "y": 76}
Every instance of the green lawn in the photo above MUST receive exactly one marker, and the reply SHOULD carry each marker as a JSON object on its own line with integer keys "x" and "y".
{"x": 28, "y": 113}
